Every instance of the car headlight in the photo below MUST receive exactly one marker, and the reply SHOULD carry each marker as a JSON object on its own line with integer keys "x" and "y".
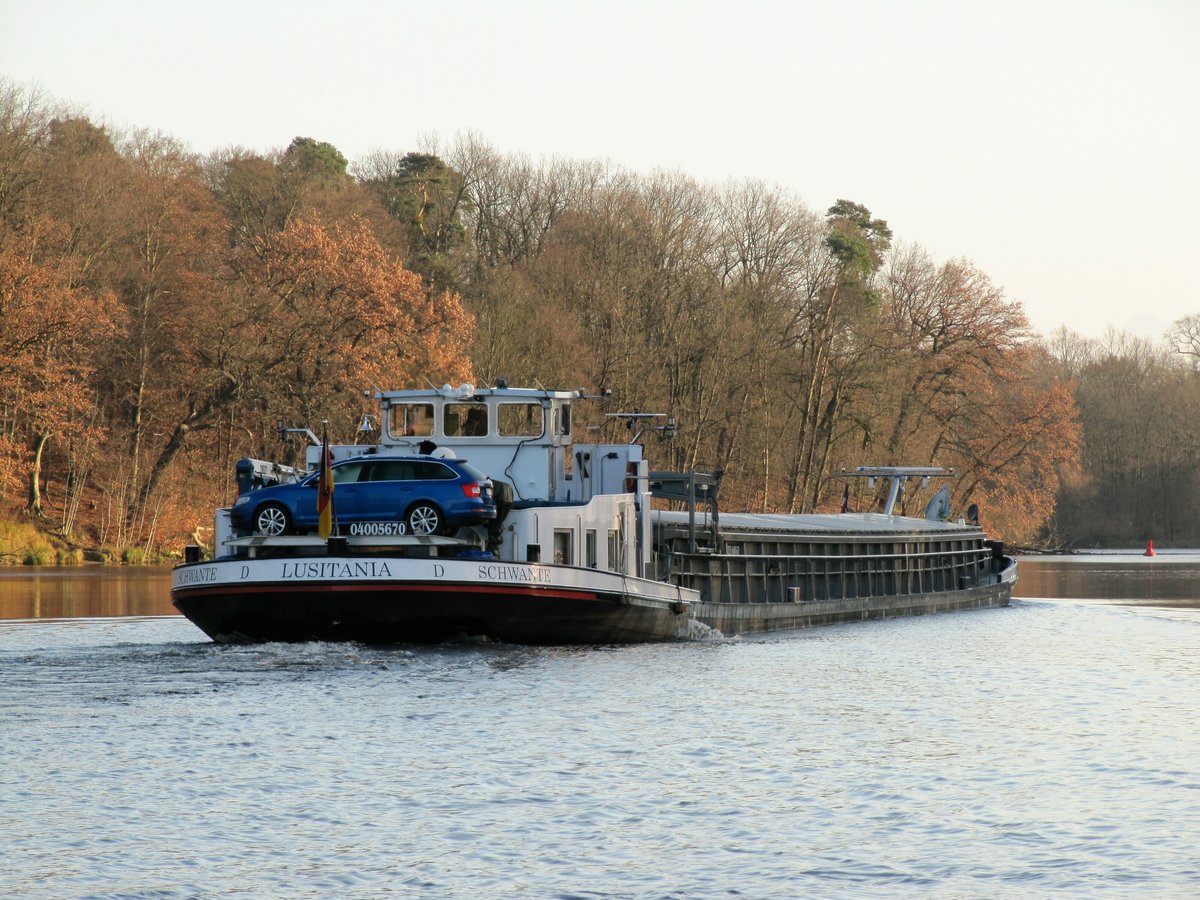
{"x": 242, "y": 500}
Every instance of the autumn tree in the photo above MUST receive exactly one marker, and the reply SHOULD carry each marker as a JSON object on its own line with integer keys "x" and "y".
{"x": 949, "y": 330}
{"x": 314, "y": 316}
{"x": 54, "y": 316}
{"x": 252, "y": 192}
{"x": 260, "y": 194}
{"x": 1070, "y": 352}
{"x": 966, "y": 385}
{"x": 48, "y": 334}
{"x": 1139, "y": 404}
{"x": 766, "y": 331}
{"x": 512, "y": 210}
{"x": 856, "y": 243}
{"x": 168, "y": 253}
{"x": 252, "y": 288}
{"x": 1184, "y": 338}
{"x": 428, "y": 198}
{"x": 772, "y": 264}
{"x": 25, "y": 123}
{"x": 674, "y": 341}
{"x": 1014, "y": 444}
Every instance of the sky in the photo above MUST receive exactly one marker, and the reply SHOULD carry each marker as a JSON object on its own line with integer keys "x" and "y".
{"x": 1053, "y": 143}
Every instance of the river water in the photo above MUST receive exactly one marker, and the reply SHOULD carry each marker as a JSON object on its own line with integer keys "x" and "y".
{"x": 1047, "y": 748}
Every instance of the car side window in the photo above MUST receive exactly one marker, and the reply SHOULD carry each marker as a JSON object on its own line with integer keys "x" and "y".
{"x": 347, "y": 473}
{"x": 431, "y": 471}
{"x": 391, "y": 470}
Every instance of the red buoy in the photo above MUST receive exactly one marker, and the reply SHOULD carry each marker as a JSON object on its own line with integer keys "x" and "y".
{"x": 1149, "y": 549}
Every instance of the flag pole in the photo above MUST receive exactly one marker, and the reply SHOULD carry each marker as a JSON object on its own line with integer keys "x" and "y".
{"x": 326, "y": 521}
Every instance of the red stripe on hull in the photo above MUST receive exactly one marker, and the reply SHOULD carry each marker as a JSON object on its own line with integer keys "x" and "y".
{"x": 396, "y": 587}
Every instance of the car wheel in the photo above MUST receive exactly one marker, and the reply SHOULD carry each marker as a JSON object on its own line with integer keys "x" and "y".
{"x": 424, "y": 518}
{"x": 272, "y": 520}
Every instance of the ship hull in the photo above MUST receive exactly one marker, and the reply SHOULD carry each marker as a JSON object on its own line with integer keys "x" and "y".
{"x": 386, "y": 601}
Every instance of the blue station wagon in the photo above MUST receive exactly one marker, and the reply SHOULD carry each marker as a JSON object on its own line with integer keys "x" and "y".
{"x": 375, "y": 495}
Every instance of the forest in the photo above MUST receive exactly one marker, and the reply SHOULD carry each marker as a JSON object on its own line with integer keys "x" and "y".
{"x": 163, "y": 313}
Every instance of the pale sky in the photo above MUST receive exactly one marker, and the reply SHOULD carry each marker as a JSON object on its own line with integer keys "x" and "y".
{"x": 1055, "y": 143}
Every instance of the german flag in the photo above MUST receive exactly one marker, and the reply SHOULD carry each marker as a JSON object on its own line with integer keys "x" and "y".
{"x": 325, "y": 517}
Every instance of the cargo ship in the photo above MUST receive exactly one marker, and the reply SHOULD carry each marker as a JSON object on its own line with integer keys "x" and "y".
{"x": 577, "y": 542}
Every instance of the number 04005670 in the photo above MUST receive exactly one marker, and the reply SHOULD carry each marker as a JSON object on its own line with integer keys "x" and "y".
{"x": 376, "y": 529}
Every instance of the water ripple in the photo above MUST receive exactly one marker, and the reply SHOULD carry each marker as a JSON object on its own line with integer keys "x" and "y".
{"x": 1040, "y": 749}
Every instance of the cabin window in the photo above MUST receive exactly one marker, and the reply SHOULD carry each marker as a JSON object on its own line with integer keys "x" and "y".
{"x": 615, "y": 563}
{"x": 465, "y": 420}
{"x": 564, "y": 552}
{"x": 589, "y": 548}
{"x": 564, "y": 420}
{"x": 411, "y": 419}
{"x": 520, "y": 419}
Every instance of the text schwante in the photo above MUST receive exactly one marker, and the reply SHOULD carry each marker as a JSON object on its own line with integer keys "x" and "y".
{"x": 514, "y": 573}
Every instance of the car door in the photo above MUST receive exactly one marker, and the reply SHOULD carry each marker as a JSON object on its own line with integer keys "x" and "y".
{"x": 388, "y": 490}
{"x": 348, "y": 492}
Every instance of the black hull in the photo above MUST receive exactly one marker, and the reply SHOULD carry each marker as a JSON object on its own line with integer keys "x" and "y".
{"x": 423, "y": 614}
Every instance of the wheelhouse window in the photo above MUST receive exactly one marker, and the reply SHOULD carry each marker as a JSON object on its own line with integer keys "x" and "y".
{"x": 520, "y": 419}
{"x": 562, "y": 420}
{"x": 465, "y": 420}
{"x": 411, "y": 419}
{"x": 564, "y": 552}
{"x": 615, "y": 562}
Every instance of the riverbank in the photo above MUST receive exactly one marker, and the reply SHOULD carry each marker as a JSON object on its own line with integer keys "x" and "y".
{"x": 26, "y": 545}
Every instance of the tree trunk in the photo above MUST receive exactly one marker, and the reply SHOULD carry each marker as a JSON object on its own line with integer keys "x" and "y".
{"x": 34, "y": 505}
{"x": 132, "y": 502}
{"x": 825, "y": 437}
